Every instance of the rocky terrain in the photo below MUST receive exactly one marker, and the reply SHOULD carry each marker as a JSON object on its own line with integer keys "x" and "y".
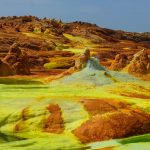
{"x": 47, "y": 41}
{"x": 72, "y": 86}
{"x": 90, "y": 108}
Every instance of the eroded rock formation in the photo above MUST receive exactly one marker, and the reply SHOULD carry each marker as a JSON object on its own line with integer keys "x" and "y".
{"x": 81, "y": 62}
{"x": 18, "y": 60}
{"x": 140, "y": 63}
{"x": 5, "y": 69}
{"x": 119, "y": 63}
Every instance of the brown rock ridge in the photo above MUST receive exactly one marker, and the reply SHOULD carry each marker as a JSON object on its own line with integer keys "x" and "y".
{"x": 43, "y": 39}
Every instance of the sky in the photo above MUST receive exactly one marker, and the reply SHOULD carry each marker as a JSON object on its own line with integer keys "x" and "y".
{"x": 128, "y": 15}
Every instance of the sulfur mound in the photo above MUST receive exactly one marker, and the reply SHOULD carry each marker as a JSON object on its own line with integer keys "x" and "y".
{"x": 93, "y": 73}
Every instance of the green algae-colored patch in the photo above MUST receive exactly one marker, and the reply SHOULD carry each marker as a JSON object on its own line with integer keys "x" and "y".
{"x": 135, "y": 94}
{"x": 59, "y": 62}
{"x": 76, "y": 38}
{"x": 134, "y": 146}
{"x": 78, "y": 41}
{"x": 123, "y": 144}
{"x": 136, "y": 139}
{"x": 30, "y": 34}
{"x": 55, "y": 65}
{"x": 38, "y": 35}
{"x": 78, "y": 114}
{"x": 9, "y": 81}
{"x": 45, "y": 141}
{"x": 6, "y": 138}
{"x": 74, "y": 50}
{"x": 61, "y": 46}
{"x": 37, "y": 30}
{"x": 132, "y": 90}
{"x": 12, "y": 105}
{"x": 103, "y": 144}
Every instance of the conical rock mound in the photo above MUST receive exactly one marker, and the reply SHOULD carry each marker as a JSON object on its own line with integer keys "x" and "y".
{"x": 94, "y": 74}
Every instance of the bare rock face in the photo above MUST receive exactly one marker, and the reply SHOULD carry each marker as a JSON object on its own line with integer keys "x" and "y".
{"x": 119, "y": 63}
{"x": 140, "y": 64}
{"x": 5, "y": 69}
{"x": 18, "y": 60}
{"x": 81, "y": 62}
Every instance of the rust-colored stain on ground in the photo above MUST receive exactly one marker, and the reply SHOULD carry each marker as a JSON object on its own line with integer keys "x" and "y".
{"x": 100, "y": 106}
{"x": 114, "y": 124}
{"x": 54, "y": 123}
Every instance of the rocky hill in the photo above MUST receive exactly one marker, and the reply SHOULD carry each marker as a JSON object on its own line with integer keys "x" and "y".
{"x": 53, "y": 46}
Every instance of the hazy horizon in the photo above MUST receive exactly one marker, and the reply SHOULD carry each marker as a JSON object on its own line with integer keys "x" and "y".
{"x": 114, "y": 14}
